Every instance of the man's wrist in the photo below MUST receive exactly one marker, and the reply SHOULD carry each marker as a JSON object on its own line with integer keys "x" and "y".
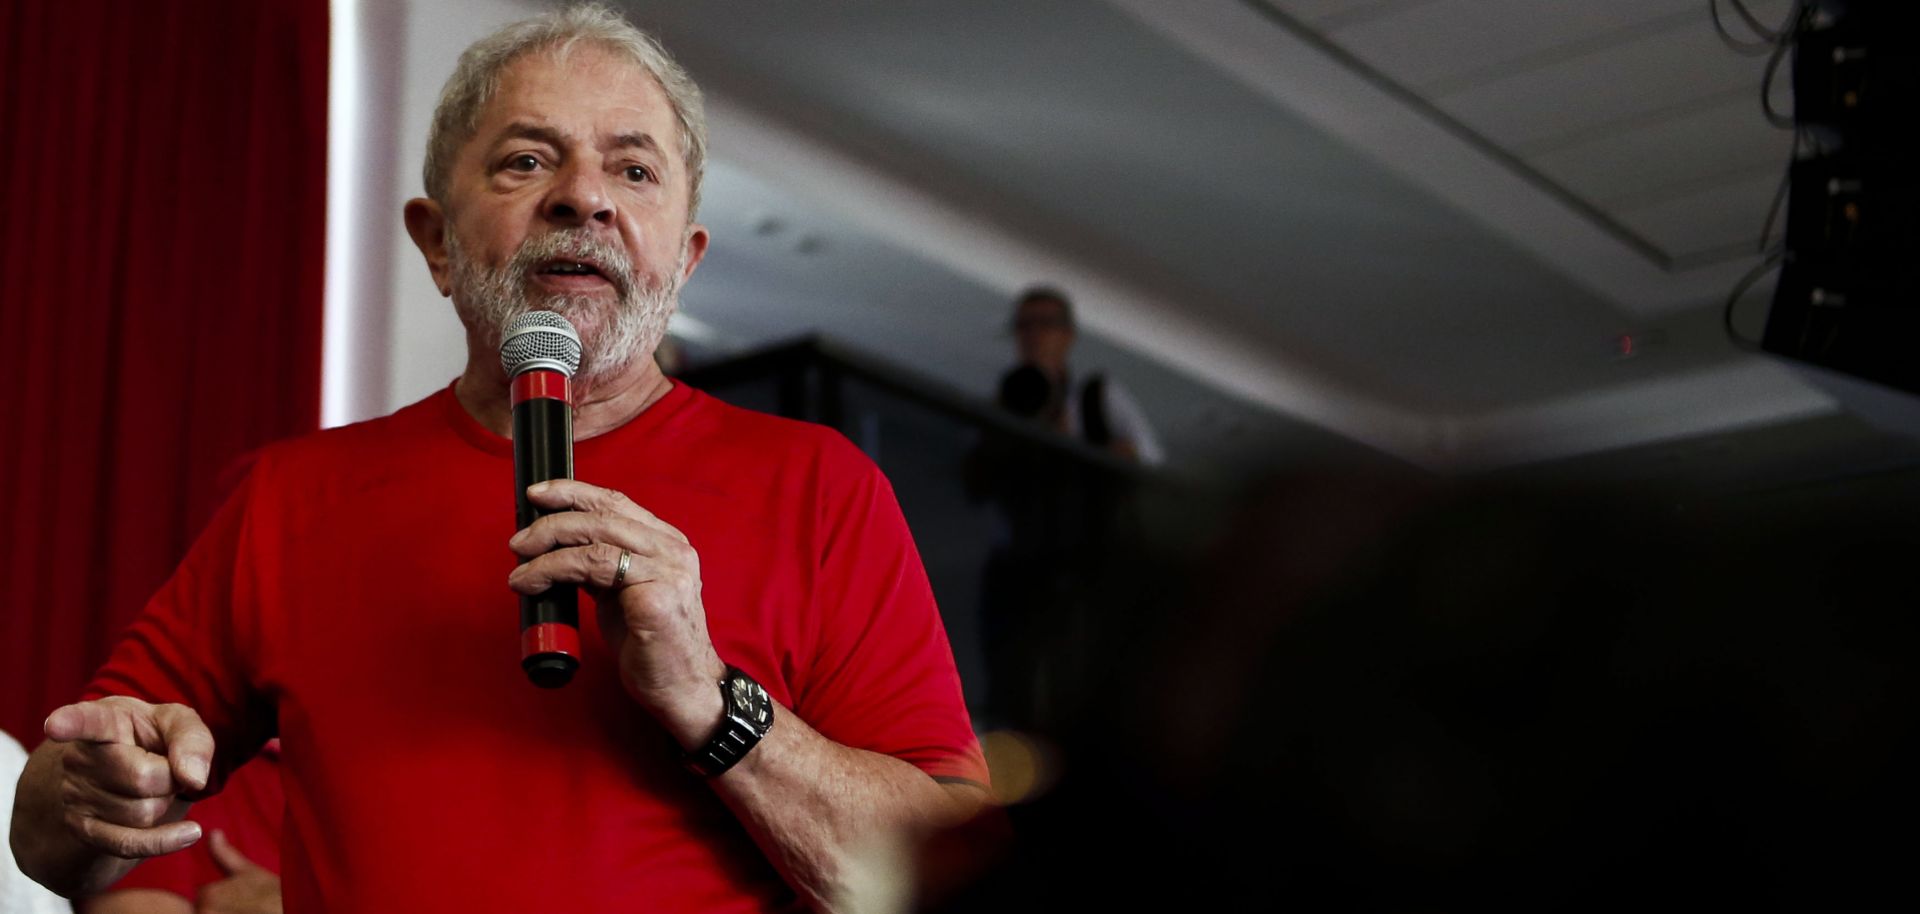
{"x": 689, "y": 708}
{"x": 694, "y": 717}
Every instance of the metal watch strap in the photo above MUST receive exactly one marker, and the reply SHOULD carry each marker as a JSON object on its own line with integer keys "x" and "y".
{"x": 739, "y": 730}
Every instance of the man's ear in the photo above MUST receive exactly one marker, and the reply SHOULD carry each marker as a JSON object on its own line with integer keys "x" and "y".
{"x": 427, "y": 224}
{"x": 696, "y": 248}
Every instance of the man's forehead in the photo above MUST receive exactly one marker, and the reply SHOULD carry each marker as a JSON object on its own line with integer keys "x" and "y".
{"x": 554, "y": 90}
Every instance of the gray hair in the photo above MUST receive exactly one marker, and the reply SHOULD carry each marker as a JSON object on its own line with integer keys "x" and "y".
{"x": 477, "y": 77}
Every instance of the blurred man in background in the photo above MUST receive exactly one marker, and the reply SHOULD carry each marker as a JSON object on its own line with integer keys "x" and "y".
{"x": 1097, "y": 409}
{"x": 1057, "y": 512}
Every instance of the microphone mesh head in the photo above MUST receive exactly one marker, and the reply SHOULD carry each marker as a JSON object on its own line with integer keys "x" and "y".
{"x": 540, "y": 339}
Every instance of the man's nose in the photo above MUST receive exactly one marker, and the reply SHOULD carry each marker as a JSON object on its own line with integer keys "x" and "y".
{"x": 580, "y": 196}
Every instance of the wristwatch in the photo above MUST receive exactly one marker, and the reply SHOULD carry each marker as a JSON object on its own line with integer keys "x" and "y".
{"x": 749, "y": 715}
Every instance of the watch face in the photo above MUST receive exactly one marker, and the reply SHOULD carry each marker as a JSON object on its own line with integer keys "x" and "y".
{"x": 749, "y": 717}
{"x": 749, "y": 701}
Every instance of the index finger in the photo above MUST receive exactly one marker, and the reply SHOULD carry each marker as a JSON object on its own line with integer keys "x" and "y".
{"x": 91, "y": 721}
{"x": 581, "y": 496}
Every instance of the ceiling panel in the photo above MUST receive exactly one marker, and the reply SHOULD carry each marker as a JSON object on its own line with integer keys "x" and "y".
{"x": 1642, "y": 76}
{"x": 1708, "y": 219}
{"x": 1674, "y": 155}
{"x": 1445, "y": 39}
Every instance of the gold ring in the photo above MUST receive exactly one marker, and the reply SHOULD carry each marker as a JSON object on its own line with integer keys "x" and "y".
{"x": 620, "y": 571}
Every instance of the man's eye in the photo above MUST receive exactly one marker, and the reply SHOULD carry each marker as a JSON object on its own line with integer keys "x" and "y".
{"x": 638, "y": 173}
{"x": 523, "y": 162}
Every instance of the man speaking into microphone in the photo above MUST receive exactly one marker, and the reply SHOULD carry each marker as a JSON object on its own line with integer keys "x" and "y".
{"x": 763, "y": 685}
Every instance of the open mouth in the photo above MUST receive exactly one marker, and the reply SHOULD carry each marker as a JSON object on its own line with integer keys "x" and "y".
{"x": 570, "y": 268}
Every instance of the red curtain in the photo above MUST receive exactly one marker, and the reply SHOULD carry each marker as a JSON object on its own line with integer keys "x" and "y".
{"x": 162, "y": 203}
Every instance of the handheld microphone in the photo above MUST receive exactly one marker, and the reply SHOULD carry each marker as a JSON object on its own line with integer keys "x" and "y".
{"x": 540, "y": 352}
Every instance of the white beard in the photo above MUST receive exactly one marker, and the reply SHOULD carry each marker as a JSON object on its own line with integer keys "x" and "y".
{"x": 490, "y": 300}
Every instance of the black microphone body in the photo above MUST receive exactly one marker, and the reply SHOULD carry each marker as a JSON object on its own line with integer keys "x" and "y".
{"x": 543, "y": 450}
{"x": 540, "y": 353}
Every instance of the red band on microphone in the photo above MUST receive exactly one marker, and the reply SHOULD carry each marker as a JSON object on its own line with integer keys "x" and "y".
{"x": 540, "y": 383}
{"x": 550, "y": 638}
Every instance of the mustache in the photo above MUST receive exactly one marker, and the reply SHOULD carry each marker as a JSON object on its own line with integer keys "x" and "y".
{"x": 609, "y": 259}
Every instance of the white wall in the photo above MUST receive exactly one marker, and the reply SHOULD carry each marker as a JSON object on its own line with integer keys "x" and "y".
{"x": 391, "y": 338}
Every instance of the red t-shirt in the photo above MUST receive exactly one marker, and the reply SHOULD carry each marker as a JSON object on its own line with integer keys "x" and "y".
{"x": 352, "y": 597}
{"x": 248, "y": 809}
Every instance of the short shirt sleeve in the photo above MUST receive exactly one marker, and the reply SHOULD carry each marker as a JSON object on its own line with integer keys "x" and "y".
{"x": 883, "y": 677}
{"x": 192, "y": 642}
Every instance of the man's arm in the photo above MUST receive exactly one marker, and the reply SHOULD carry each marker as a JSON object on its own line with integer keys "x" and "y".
{"x": 810, "y": 803}
{"x": 103, "y": 791}
{"x": 1133, "y": 436}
